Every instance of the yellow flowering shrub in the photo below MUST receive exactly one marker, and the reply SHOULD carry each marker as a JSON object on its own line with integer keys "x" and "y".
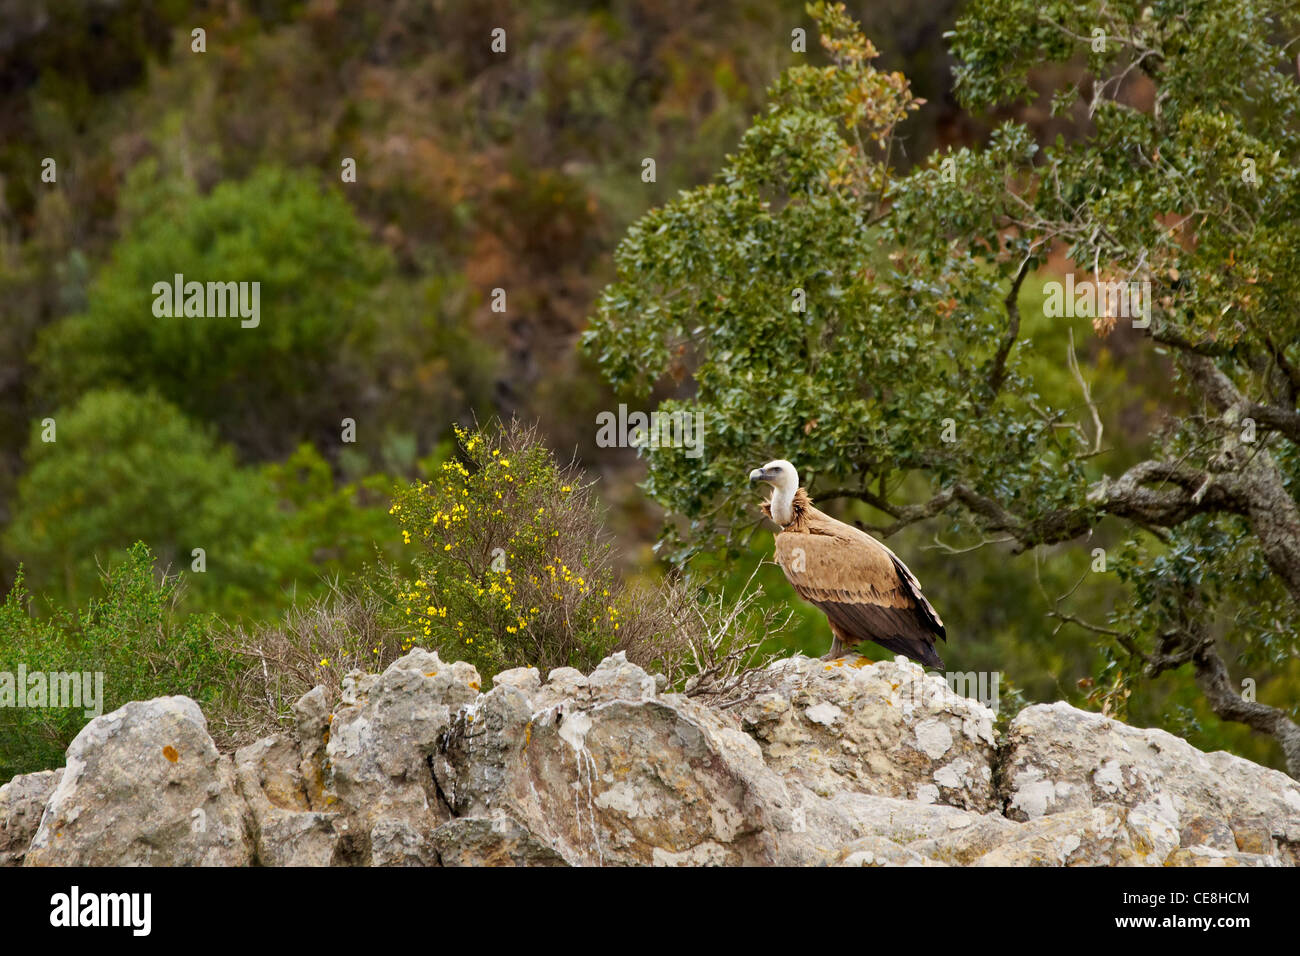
{"x": 511, "y": 566}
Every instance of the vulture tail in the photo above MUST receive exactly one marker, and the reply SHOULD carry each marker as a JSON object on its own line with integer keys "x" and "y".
{"x": 915, "y": 648}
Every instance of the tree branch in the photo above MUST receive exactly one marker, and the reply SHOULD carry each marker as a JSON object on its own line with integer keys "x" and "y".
{"x": 999, "y": 371}
{"x": 1212, "y": 678}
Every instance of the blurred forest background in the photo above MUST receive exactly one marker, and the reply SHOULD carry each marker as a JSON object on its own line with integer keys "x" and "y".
{"x": 474, "y": 171}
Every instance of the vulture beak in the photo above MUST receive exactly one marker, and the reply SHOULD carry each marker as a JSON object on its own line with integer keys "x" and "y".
{"x": 756, "y": 476}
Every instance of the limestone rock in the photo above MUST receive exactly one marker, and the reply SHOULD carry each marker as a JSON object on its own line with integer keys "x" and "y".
{"x": 877, "y": 851}
{"x": 287, "y": 832}
{"x": 1106, "y": 835}
{"x": 145, "y": 786}
{"x": 846, "y": 764}
{"x": 616, "y": 679}
{"x": 312, "y": 732}
{"x": 562, "y": 683}
{"x": 1209, "y": 856}
{"x": 1060, "y": 759}
{"x": 381, "y": 739}
{"x": 492, "y": 841}
{"x": 526, "y": 679}
{"x": 886, "y": 729}
{"x": 605, "y": 771}
{"x": 942, "y": 833}
{"x": 22, "y": 801}
{"x": 1203, "y": 831}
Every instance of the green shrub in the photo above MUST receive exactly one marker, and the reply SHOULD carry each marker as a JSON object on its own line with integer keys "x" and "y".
{"x": 512, "y": 566}
{"x": 126, "y": 467}
{"x": 132, "y": 635}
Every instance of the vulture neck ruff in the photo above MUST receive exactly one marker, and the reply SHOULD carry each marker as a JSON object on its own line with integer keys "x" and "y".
{"x": 788, "y": 508}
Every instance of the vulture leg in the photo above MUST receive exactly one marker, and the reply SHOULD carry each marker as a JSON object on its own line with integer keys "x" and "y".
{"x": 837, "y": 646}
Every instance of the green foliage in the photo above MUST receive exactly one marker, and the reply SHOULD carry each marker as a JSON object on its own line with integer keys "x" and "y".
{"x": 97, "y": 49}
{"x": 324, "y": 527}
{"x": 131, "y": 635}
{"x": 268, "y": 384}
{"x": 922, "y": 317}
{"x": 865, "y": 380}
{"x": 127, "y": 467}
{"x": 426, "y": 366}
{"x": 1200, "y": 195}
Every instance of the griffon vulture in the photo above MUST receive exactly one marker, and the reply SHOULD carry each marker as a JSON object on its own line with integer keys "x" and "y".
{"x": 865, "y": 591}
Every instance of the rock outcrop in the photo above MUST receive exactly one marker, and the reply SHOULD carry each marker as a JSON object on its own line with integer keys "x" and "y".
{"x": 22, "y": 801}
{"x": 1061, "y": 761}
{"x": 880, "y": 729}
{"x": 145, "y": 786}
{"x": 844, "y": 764}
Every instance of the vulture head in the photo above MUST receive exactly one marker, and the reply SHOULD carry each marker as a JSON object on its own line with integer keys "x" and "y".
{"x": 780, "y": 474}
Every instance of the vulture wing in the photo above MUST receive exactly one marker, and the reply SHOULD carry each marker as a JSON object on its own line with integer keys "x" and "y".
{"x": 866, "y": 592}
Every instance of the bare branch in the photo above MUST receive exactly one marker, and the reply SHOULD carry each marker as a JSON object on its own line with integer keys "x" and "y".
{"x": 1073, "y": 362}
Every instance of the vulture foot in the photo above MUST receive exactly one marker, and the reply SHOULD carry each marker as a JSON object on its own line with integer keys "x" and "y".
{"x": 837, "y": 650}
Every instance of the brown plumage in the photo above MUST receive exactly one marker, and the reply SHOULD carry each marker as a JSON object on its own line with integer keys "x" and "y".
{"x": 865, "y": 591}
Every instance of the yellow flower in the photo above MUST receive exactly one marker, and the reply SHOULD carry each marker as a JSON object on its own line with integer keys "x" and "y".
{"x": 324, "y": 662}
